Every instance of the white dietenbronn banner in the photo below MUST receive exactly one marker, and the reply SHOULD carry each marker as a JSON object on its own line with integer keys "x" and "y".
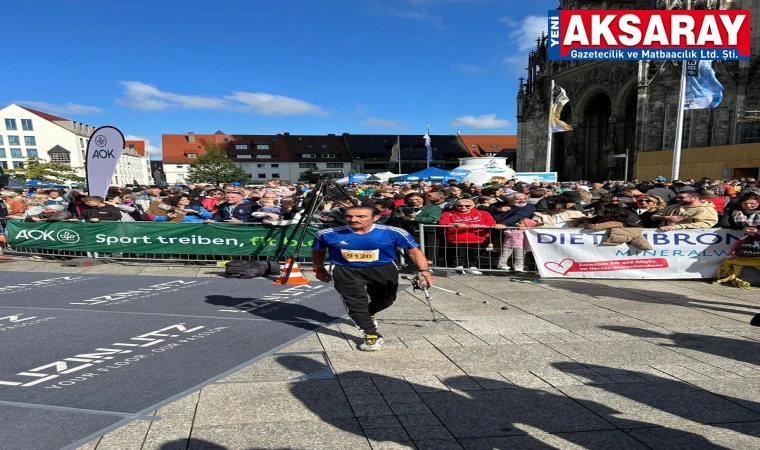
{"x": 103, "y": 152}
{"x": 576, "y": 253}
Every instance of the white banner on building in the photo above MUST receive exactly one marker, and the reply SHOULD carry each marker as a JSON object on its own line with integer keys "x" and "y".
{"x": 103, "y": 153}
{"x": 577, "y": 253}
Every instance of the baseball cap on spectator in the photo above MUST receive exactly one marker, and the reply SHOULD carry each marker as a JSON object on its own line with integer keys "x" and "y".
{"x": 687, "y": 189}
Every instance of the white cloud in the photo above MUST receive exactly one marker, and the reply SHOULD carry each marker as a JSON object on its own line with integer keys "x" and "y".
{"x": 469, "y": 68}
{"x": 146, "y": 97}
{"x": 522, "y": 37}
{"x": 153, "y": 151}
{"x": 526, "y": 31}
{"x": 382, "y": 123}
{"x": 62, "y": 109}
{"x": 481, "y": 122}
{"x": 274, "y": 105}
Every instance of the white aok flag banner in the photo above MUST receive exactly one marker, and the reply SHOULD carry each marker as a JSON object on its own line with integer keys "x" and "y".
{"x": 103, "y": 153}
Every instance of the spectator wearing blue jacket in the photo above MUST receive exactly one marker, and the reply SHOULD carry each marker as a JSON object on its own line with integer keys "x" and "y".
{"x": 513, "y": 211}
{"x": 233, "y": 209}
{"x": 183, "y": 203}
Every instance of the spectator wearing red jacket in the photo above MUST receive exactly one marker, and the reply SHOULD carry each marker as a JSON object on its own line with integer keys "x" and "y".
{"x": 470, "y": 228}
{"x": 709, "y": 196}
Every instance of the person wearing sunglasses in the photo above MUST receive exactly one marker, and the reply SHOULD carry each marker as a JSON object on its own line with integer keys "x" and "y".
{"x": 648, "y": 206}
{"x": 469, "y": 229}
{"x": 689, "y": 212}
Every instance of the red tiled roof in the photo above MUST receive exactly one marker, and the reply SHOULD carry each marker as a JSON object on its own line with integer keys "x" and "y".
{"x": 44, "y": 115}
{"x": 480, "y": 144}
{"x": 139, "y": 146}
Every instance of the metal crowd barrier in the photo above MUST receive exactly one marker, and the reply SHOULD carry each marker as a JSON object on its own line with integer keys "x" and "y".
{"x": 483, "y": 257}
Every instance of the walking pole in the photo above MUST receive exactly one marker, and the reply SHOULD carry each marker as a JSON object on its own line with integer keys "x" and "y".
{"x": 418, "y": 285}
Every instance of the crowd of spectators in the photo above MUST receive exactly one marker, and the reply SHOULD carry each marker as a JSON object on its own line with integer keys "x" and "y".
{"x": 474, "y": 217}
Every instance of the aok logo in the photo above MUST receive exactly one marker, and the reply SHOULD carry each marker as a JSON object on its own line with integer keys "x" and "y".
{"x": 65, "y": 235}
{"x": 102, "y": 154}
{"x": 100, "y": 355}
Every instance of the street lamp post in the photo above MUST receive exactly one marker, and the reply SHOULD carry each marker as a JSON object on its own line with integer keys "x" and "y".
{"x": 624, "y": 155}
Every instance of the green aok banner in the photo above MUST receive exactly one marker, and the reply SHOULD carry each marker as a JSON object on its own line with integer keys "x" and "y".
{"x": 157, "y": 238}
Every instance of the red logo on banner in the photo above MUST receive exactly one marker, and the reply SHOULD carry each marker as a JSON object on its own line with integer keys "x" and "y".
{"x": 568, "y": 265}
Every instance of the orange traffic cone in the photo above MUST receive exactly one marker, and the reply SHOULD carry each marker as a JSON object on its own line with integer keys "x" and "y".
{"x": 295, "y": 277}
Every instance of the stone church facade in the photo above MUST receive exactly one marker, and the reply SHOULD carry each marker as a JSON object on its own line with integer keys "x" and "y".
{"x": 619, "y": 106}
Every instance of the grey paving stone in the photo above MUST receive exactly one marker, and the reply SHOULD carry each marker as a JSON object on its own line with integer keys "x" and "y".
{"x": 542, "y": 304}
{"x": 280, "y": 368}
{"x": 427, "y": 384}
{"x": 244, "y": 403}
{"x": 664, "y": 403}
{"x": 601, "y": 440}
{"x": 56, "y": 269}
{"x": 390, "y": 385}
{"x": 393, "y": 399}
{"x": 393, "y": 434}
{"x": 569, "y": 336}
{"x": 372, "y": 410}
{"x": 356, "y": 400}
{"x": 544, "y": 338}
{"x": 502, "y": 325}
{"x": 442, "y": 341}
{"x": 494, "y": 339}
{"x": 501, "y": 358}
{"x": 585, "y": 321}
{"x": 428, "y": 432}
{"x": 393, "y": 362}
{"x": 614, "y": 353}
{"x": 525, "y": 379}
{"x": 519, "y": 338}
{"x": 469, "y": 340}
{"x": 309, "y": 343}
{"x": 337, "y": 434}
{"x": 462, "y": 384}
{"x": 401, "y": 409}
{"x": 679, "y": 317}
{"x": 491, "y": 380}
{"x": 680, "y": 372}
{"x": 494, "y": 412}
{"x": 116, "y": 269}
{"x": 368, "y": 422}
{"x": 738, "y": 436}
{"x": 745, "y": 391}
{"x": 418, "y": 420}
{"x": 557, "y": 378}
{"x": 416, "y": 342}
{"x": 128, "y": 437}
{"x": 438, "y": 444}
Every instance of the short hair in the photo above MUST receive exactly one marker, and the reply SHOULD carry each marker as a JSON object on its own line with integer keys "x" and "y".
{"x": 537, "y": 193}
{"x": 368, "y": 208}
{"x": 93, "y": 198}
{"x": 693, "y": 194}
{"x": 385, "y": 203}
{"x": 55, "y": 207}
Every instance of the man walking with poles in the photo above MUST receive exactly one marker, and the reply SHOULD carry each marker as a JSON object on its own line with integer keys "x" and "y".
{"x": 364, "y": 273}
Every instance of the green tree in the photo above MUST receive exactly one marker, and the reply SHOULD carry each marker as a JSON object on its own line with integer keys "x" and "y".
{"x": 215, "y": 167}
{"x": 309, "y": 176}
{"x": 46, "y": 171}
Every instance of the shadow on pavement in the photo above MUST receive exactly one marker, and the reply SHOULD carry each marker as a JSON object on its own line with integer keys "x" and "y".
{"x": 742, "y": 350}
{"x": 297, "y": 315}
{"x": 657, "y": 298}
{"x": 191, "y": 444}
{"x": 501, "y": 415}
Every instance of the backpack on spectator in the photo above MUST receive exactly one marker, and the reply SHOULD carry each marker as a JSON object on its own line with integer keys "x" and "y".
{"x": 251, "y": 269}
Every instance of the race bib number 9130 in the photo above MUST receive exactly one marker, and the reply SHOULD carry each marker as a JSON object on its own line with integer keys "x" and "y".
{"x": 360, "y": 255}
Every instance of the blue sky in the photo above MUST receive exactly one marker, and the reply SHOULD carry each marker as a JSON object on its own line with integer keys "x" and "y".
{"x": 254, "y": 67}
